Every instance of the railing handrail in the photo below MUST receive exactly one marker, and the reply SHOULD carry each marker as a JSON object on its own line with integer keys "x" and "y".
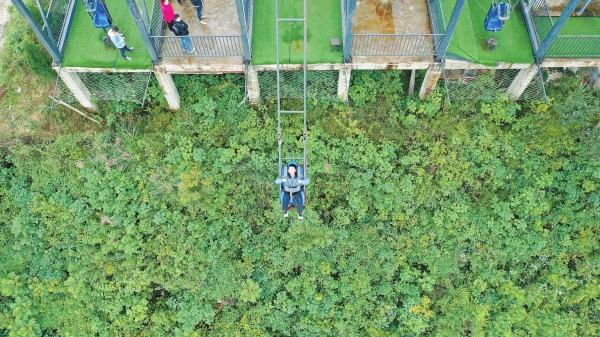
{"x": 202, "y": 36}
{"x": 578, "y": 36}
{"x": 198, "y": 45}
{"x": 397, "y": 34}
{"x": 394, "y": 44}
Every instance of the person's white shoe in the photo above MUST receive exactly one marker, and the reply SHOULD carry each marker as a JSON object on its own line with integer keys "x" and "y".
{"x": 300, "y": 217}
{"x": 203, "y": 22}
{"x": 285, "y": 214}
{"x": 132, "y": 48}
{"x": 128, "y": 58}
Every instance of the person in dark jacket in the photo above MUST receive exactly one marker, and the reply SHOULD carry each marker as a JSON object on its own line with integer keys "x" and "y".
{"x": 292, "y": 185}
{"x": 180, "y": 28}
{"x": 198, "y": 4}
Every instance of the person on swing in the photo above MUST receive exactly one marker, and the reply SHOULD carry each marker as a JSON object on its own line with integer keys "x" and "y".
{"x": 292, "y": 186}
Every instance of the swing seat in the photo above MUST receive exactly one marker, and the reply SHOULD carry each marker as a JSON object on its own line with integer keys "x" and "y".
{"x": 302, "y": 188}
{"x": 496, "y": 16}
{"x": 101, "y": 17}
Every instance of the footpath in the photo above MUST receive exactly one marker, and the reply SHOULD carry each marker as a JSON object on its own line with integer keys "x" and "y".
{"x": 3, "y": 21}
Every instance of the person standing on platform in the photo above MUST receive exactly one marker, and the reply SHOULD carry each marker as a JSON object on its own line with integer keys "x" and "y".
{"x": 198, "y": 4}
{"x": 119, "y": 41}
{"x": 180, "y": 28}
{"x": 168, "y": 13}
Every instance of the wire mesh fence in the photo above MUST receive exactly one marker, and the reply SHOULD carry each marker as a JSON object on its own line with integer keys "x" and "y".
{"x": 156, "y": 20}
{"x": 56, "y": 15}
{"x": 467, "y": 84}
{"x": 575, "y": 46}
{"x": 62, "y": 92}
{"x": 437, "y": 20}
{"x": 127, "y": 87}
{"x": 542, "y": 19}
{"x": 320, "y": 84}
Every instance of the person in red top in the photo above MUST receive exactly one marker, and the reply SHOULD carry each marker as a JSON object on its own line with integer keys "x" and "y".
{"x": 168, "y": 13}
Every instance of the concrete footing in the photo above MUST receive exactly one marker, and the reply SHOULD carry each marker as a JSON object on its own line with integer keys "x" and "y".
{"x": 595, "y": 77}
{"x": 430, "y": 81}
{"x": 344, "y": 83}
{"x": 521, "y": 81}
{"x": 169, "y": 89}
{"x": 78, "y": 88}
{"x": 252, "y": 85}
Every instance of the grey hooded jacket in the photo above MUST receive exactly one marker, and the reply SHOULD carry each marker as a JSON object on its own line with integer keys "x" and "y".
{"x": 290, "y": 184}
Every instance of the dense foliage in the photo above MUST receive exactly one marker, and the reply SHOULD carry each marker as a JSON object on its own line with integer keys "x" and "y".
{"x": 424, "y": 219}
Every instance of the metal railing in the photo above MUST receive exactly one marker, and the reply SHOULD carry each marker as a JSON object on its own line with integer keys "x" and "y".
{"x": 542, "y": 20}
{"x": 395, "y": 44}
{"x": 248, "y": 11}
{"x": 567, "y": 46}
{"x": 575, "y": 46}
{"x": 56, "y": 15}
{"x": 436, "y": 13}
{"x": 206, "y": 46}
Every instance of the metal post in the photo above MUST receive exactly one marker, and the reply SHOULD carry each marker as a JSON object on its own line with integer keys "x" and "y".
{"x": 583, "y": 7}
{"x": 450, "y": 30}
{"x": 529, "y": 24}
{"x": 38, "y": 31}
{"x": 243, "y": 29}
{"x": 39, "y": 5}
{"x": 555, "y": 30}
{"x": 279, "y": 134}
{"x": 305, "y": 130}
{"x": 351, "y": 6}
{"x": 143, "y": 31}
{"x": 67, "y": 27}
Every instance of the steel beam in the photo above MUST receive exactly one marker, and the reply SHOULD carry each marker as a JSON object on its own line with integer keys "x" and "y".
{"x": 244, "y": 30}
{"x": 142, "y": 29}
{"x": 62, "y": 43}
{"x": 38, "y": 31}
{"x": 450, "y": 30}
{"x": 351, "y": 7}
{"x": 529, "y": 25}
{"x": 555, "y": 30}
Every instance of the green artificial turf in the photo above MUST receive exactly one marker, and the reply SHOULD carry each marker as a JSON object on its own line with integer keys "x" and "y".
{"x": 468, "y": 41}
{"x": 324, "y": 22}
{"x": 578, "y": 47}
{"x": 85, "y": 47}
{"x": 581, "y": 26}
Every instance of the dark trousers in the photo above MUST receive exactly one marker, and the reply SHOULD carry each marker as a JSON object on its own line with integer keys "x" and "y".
{"x": 123, "y": 50}
{"x": 297, "y": 200}
{"x": 199, "y": 11}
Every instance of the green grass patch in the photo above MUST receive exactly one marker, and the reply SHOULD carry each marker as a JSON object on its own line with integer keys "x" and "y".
{"x": 324, "y": 22}
{"x": 85, "y": 47}
{"x": 468, "y": 41}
